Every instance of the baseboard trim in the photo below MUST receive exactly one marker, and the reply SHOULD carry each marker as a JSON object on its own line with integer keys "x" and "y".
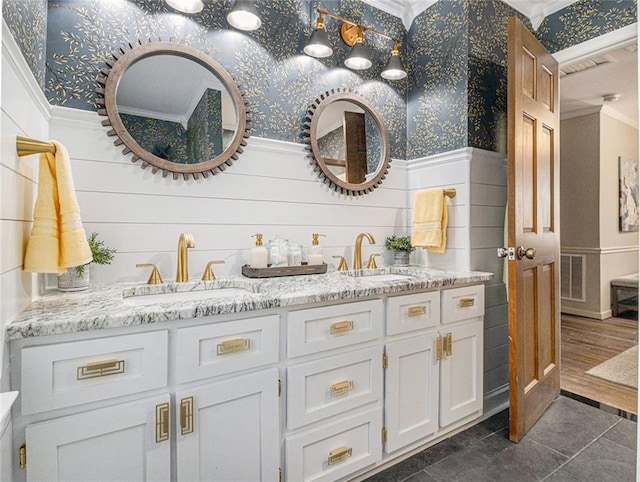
{"x": 495, "y": 401}
{"x": 598, "y": 315}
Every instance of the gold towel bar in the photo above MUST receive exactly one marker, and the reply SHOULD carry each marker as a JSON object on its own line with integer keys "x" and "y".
{"x": 27, "y": 146}
{"x": 451, "y": 192}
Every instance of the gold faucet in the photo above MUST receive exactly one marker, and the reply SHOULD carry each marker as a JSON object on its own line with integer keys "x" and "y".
{"x": 185, "y": 241}
{"x": 357, "y": 255}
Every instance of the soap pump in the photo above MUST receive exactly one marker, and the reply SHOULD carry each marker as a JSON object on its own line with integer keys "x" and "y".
{"x": 315, "y": 252}
{"x": 258, "y": 258}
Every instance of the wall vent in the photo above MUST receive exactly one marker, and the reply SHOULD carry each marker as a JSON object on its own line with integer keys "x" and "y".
{"x": 572, "y": 277}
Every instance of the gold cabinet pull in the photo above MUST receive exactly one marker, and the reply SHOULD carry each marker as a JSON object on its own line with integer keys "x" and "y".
{"x": 233, "y": 346}
{"x": 186, "y": 415}
{"x": 341, "y": 388}
{"x": 448, "y": 344}
{"x": 417, "y": 310}
{"x": 100, "y": 369}
{"x": 466, "y": 302}
{"x": 439, "y": 348}
{"x": 339, "y": 455}
{"x": 162, "y": 422}
{"x": 341, "y": 327}
{"x": 22, "y": 456}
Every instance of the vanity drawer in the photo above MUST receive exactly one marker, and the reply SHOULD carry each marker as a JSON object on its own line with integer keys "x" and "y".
{"x": 73, "y": 373}
{"x": 328, "y": 327}
{"x": 327, "y": 387}
{"x": 335, "y": 450}
{"x": 210, "y": 350}
{"x": 462, "y": 303}
{"x": 413, "y": 312}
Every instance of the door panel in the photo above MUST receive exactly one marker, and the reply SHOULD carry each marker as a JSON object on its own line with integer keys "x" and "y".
{"x": 533, "y": 200}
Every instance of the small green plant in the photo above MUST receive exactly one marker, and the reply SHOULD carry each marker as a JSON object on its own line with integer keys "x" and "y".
{"x": 399, "y": 243}
{"x": 101, "y": 254}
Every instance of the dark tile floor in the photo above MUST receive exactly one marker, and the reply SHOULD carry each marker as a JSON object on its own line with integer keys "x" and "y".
{"x": 572, "y": 441}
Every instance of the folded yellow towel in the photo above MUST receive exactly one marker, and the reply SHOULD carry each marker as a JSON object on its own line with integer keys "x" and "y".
{"x": 58, "y": 240}
{"x": 430, "y": 220}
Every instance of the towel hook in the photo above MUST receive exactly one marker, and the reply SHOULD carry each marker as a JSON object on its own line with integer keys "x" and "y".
{"x": 26, "y": 146}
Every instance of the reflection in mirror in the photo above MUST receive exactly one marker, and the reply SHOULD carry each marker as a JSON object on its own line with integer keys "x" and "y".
{"x": 174, "y": 108}
{"x": 348, "y": 142}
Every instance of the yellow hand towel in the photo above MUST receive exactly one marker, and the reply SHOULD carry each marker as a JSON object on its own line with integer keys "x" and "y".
{"x": 58, "y": 240}
{"x": 430, "y": 220}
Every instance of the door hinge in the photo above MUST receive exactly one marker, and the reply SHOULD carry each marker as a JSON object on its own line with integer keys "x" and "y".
{"x": 22, "y": 456}
{"x": 385, "y": 360}
{"x": 384, "y": 434}
{"x": 279, "y": 387}
{"x": 279, "y": 474}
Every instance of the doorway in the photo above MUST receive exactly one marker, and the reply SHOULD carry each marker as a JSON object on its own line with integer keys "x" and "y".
{"x": 599, "y": 96}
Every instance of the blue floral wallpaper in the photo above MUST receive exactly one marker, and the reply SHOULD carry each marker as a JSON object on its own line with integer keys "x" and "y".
{"x": 165, "y": 139}
{"x": 204, "y": 129}
{"x": 455, "y": 52}
{"x": 280, "y": 82}
{"x": 27, "y": 21}
{"x": 584, "y": 20}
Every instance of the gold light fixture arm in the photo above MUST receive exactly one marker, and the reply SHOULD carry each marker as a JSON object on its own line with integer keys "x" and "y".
{"x": 350, "y": 33}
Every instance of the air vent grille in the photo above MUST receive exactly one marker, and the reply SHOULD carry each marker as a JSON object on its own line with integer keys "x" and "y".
{"x": 572, "y": 277}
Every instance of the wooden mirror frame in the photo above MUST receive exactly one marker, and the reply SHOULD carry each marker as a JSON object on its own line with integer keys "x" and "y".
{"x": 118, "y": 65}
{"x": 310, "y": 130}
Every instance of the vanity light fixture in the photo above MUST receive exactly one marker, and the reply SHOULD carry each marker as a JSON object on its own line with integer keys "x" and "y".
{"x": 244, "y": 16}
{"x": 186, "y": 6}
{"x": 352, "y": 34}
{"x": 318, "y": 45}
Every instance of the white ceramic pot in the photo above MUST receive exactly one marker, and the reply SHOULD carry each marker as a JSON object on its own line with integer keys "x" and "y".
{"x": 70, "y": 281}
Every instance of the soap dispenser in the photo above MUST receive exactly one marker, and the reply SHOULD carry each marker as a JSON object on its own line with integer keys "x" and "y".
{"x": 258, "y": 258}
{"x": 315, "y": 251}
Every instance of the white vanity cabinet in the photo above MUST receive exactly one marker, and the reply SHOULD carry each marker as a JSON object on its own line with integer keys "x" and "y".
{"x": 433, "y": 377}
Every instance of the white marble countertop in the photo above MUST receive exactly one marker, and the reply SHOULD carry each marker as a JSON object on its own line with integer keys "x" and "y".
{"x": 109, "y": 306}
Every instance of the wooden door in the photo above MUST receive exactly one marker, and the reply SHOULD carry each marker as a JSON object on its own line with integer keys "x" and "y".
{"x": 533, "y": 216}
{"x": 128, "y": 441}
{"x": 230, "y": 430}
{"x": 355, "y": 142}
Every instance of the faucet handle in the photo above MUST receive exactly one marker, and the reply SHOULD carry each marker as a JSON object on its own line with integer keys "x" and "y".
{"x": 343, "y": 263}
{"x": 155, "y": 278}
{"x": 208, "y": 274}
{"x": 372, "y": 261}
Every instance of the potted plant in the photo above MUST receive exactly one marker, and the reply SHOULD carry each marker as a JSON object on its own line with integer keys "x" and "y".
{"x": 76, "y": 279}
{"x": 401, "y": 247}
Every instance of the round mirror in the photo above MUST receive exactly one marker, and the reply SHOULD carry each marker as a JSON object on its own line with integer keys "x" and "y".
{"x": 349, "y": 142}
{"x": 175, "y": 109}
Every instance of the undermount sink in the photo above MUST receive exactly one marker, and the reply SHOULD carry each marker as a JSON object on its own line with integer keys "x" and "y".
{"x": 377, "y": 274}
{"x": 387, "y": 277}
{"x": 206, "y": 294}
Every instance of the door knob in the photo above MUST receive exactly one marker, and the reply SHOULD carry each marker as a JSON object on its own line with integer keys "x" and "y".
{"x": 529, "y": 253}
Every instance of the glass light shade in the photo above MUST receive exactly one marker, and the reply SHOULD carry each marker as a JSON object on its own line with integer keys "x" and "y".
{"x": 394, "y": 69}
{"x": 318, "y": 45}
{"x": 359, "y": 57}
{"x": 244, "y": 16}
{"x": 186, "y": 6}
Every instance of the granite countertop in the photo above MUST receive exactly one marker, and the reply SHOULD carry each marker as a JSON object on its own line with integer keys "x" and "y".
{"x": 118, "y": 304}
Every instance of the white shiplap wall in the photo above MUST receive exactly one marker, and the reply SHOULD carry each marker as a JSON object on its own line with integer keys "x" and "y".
{"x": 24, "y": 111}
{"x": 476, "y": 229}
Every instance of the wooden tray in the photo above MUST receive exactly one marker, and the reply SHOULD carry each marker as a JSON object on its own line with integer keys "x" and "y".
{"x": 268, "y": 272}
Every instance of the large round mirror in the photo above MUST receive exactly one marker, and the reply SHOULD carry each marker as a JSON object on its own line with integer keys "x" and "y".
{"x": 349, "y": 142}
{"x": 175, "y": 109}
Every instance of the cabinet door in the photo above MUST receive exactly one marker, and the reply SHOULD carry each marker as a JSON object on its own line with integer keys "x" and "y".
{"x": 229, "y": 430}
{"x": 129, "y": 441}
{"x": 461, "y": 374}
{"x": 411, "y": 391}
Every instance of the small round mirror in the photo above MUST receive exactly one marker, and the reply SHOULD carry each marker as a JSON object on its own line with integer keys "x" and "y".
{"x": 175, "y": 109}
{"x": 349, "y": 142}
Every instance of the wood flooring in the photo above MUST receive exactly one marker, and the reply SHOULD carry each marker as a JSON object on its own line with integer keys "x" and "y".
{"x": 585, "y": 343}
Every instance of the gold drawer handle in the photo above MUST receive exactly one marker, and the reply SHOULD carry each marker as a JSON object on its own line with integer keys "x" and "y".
{"x": 341, "y": 327}
{"x": 439, "y": 348}
{"x": 234, "y": 346}
{"x": 186, "y": 415}
{"x": 448, "y": 344}
{"x": 339, "y": 455}
{"x": 466, "y": 302}
{"x": 162, "y": 422}
{"x": 341, "y": 388}
{"x": 417, "y": 311}
{"x": 100, "y": 369}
